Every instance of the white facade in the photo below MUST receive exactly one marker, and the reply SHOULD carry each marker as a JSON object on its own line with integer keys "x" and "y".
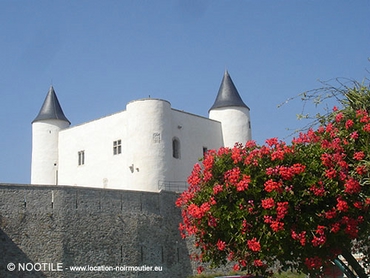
{"x": 146, "y": 130}
{"x": 149, "y": 146}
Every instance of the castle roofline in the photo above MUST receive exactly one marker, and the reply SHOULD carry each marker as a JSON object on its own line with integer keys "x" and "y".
{"x": 149, "y": 98}
{"x": 51, "y": 109}
{"x": 228, "y": 94}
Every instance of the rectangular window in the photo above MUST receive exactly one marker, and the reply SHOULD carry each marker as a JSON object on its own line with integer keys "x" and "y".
{"x": 81, "y": 157}
{"x": 117, "y": 147}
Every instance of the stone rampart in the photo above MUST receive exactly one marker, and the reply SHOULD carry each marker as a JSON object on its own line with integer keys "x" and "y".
{"x": 54, "y": 228}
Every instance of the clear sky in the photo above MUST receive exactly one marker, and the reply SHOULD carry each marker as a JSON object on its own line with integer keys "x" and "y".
{"x": 99, "y": 55}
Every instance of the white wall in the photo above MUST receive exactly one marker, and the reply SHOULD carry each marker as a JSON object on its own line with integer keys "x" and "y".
{"x": 44, "y": 165}
{"x": 195, "y": 133}
{"x": 95, "y": 138}
{"x": 146, "y": 129}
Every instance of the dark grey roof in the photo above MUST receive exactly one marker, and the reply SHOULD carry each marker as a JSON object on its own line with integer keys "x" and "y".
{"x": 228, "y": 94}
{"x": 51, "y": 108}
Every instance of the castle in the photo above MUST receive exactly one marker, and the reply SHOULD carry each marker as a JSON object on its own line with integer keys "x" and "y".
{"x": 147, "y": 147}
{"x": 72, "y": 215}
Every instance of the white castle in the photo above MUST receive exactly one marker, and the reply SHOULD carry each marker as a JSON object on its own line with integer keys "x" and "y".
{"x": 149, "y": 146}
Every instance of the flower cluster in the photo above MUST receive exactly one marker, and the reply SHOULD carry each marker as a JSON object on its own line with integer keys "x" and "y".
{"x": 299, "y": 204}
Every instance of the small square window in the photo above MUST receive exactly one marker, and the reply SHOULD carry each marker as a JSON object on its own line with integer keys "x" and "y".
{"x": 81, "y": 157}
{"x": 117, "y": 147}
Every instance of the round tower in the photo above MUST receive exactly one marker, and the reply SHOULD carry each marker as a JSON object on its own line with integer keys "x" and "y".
{"x": 232, "y": 112}
{"x": 45, "y": 134}
{"x": 150, "y": 143}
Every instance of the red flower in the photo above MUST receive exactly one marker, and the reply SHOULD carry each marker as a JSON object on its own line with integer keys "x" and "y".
{"x": 358, "y": 205}
{"x": 318, "y": 241}
{"x": 366, "y": 128}
{"x": 217, "y": 189}
{"x": 250, "y": 144}
{"x": 221, "y": 245}
{"x": 272, "y": 141}
{"x": 258, "y": 263}
{"x": 232, "y": 176}
{"x": 335, "y": 227}
{"x": 276, "y": 225}
{"x": 301, "y": 237}
{"x": 352, "y": 186}
{"x": 243, "y": 184}
{"x": 349, "y": 124}
{"x": 359, "y": 155}
{"x": 361, "y": 170}
{"x": 327, "y": 160}
{"x": 272, "y": 185}
{"x": 236, "y": 267}
{"x": 207, "y": 175}
{"x": 237, "y": 153}
{"x": 279, "y": 154}
{"x": 330, "y": 173}
{"x": 244, "y": 226}
{"x": 208, "y": 160}
{"x": 194, "y": 178}
{"x": 200, "y": 269}
{"x": 330, "y": 214}
{"x": 282, "y": 209}
{"x": 212, "y": 221}
{"x": 351, "y": 226}
{"x": 339, "y": 117}
{"x": 267, "y": 219}
{"x": 313, "y": 263}
{"x": 268, "y": 203}
{"x": 318, "y": 190}
{"x": 342, "y": 205}
{"x": 254, "y": 245}
{"x": 354, "y": 135}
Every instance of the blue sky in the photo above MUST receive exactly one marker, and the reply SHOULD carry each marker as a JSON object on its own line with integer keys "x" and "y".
{"x": 99, "y": 55}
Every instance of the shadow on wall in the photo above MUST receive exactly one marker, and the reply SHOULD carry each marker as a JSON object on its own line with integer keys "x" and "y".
{"x": 12, "y": 259}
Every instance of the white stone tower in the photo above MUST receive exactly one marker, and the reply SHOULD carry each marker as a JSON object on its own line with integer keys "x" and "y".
{"x": 232, "y": 112}
{"x": 45, "y": 133}
{"x": 150, "y": 142}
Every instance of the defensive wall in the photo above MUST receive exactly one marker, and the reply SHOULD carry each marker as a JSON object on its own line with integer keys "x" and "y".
{"x": 48, "y": 229}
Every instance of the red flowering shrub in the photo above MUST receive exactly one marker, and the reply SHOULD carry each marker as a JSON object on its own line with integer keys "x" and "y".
{"x": 299, "y": 204}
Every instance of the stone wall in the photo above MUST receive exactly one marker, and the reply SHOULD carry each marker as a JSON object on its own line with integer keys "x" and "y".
{"x": 54, "y": 228}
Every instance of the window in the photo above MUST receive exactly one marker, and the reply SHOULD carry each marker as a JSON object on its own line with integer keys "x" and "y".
{"x": 176, "y": 148}
{"x": 81, "y": 157}
{"x": 117, "y": 147}
{"x": 205, "y": 150}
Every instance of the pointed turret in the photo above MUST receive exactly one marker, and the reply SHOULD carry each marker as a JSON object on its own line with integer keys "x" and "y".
{"x": 45, "y": 138}
{"x": 228, "y": 94}
{"x": 233, "y": 114}
{"x": 51, "y": 109}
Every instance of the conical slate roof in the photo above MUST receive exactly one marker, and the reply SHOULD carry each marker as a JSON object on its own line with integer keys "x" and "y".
{"x": 51, "y": 109}
{"x": 228, "y": 94}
